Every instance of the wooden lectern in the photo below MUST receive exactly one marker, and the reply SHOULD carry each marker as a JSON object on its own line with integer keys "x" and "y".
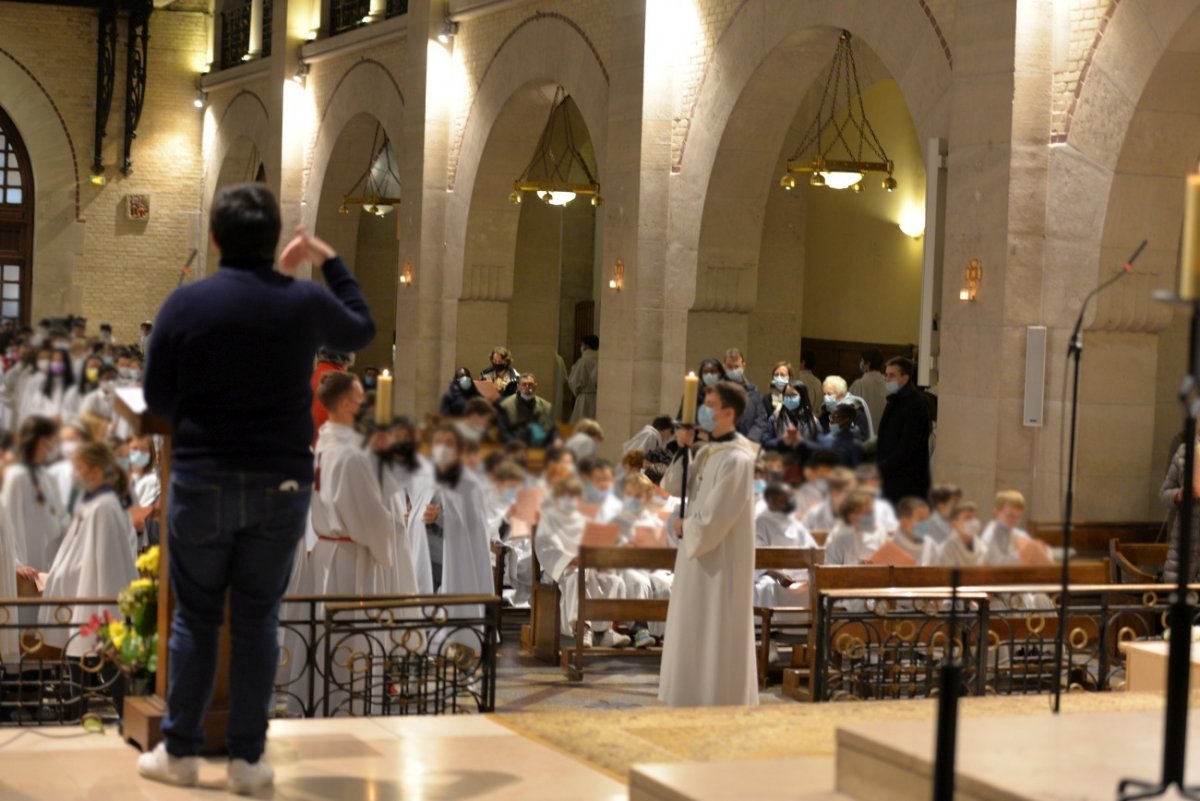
{"x": 143, "y": 715}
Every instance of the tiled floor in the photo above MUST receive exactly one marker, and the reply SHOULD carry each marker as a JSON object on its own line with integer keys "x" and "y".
{"x": 432, "y": 759}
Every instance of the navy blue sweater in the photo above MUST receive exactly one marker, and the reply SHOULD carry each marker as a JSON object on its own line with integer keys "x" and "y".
{"x": 231, "y": 359}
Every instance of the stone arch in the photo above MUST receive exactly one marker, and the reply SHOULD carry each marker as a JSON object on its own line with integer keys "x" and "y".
{"x": 531, "y": 62}
{"x": 738, "y": 113}
{"x": 244, "y": 119}
{"x": 55, "y": 165}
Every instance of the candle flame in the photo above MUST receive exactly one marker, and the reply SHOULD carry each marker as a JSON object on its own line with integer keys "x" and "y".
{"x": 386, "y": 374}
{"x": 691, "y": 373}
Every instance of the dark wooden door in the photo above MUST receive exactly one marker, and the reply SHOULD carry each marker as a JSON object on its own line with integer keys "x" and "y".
{"x": 16, "y": 223}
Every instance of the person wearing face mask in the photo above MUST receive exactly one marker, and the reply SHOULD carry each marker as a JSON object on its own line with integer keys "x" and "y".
{"x": 637, "y": 512}
{"x": 355, "y": 527}
{"x": 97, "y": 555}
{"x": 29, "y": 401}
{"x": 87, "y": 381}
{"x": 843, "y": 438}
{"x": 79, "y": 354}
{"x": 791, "y": 428}
{"x": 1003, "y": 541}
{"x": 776, "y": 526}
{"x": 942, "y": 500}
{"x": 815, "y": 489}
{"x": 29, "y": 497}
{"x": 836, "y": 393}
{"x": 583, "y": 379}
{"x": 72, "y": 436}
{"x": 106, "y": 333}
{"x": 856, "y": 537}
{"x": 961, "y": 547}
{"x": 477, "y": 420}
{"x": 501, "y": 372}
{"x": 752, "y": 424}
{"x": 839, "y": 483}
{"x": 407, "y": 482}
{"x": 781, "y": 378}
{"x": 658, "y": 435}
{"x": 466, "y": 556}
{"x": 902, "y": 449}
{"x": 912, "y": 515}
{"x": 602, "y": 504}
{"x": 24, "y": 362}
{"x": 98, "y": 408}
{"x": 525, "y": 417}
{"x": 462, "y": 390}
{"x": 559, "y": 534}
{"x": 708, "y": 651}
{"x": 870, "y": 385}
{"x": 47, "y": 397}
{"x": 145, "y": 488}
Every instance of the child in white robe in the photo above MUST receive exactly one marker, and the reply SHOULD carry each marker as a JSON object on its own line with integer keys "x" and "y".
{"x": 29, "y": 496}
{"x": 1003, "y": 543}
{"x": 815, "y": 489}
{"x": 598, "y": 480}
{"x": 911, "y": 512}
{"x": 466, "y": 557}
{"x": 943, "y": 498}
{"x": 960, "y": 548}
{"x": 71, "y": 436}
{"x": 47, "y": 395}
{"x": 639, "y": 512}
{"x": 96, "y": 559}
{"x": 856, "y": 537}
{"x": 867, "y": 476}
{"x": 557, "y": 541}
{"x": 408, "y": 484}
{"x": 777, "y": 527}
{"x": 824, "y": 516}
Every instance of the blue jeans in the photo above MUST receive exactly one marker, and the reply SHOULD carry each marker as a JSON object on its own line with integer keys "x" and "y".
{"x": 237, "y": 533}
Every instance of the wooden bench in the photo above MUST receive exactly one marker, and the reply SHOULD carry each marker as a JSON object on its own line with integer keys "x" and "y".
{"x": 798, "y": 679}
{"x": 1136, "y": 563}
{"x": 1092, "y": 538}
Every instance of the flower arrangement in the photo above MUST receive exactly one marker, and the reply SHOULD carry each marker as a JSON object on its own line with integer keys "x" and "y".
{"x": 132, "y": 642}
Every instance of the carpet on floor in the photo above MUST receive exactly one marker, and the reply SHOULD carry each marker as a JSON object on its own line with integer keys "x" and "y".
{"x": 613, "y": 741}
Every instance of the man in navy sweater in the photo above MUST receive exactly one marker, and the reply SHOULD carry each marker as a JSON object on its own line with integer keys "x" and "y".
{"x": 229, "y": 363}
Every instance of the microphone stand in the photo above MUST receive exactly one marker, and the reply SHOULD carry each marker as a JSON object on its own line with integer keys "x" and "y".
{"x": 1180, "y": 654}
{"x": 947, "y": 711}
{"x": 1075, "y": 352}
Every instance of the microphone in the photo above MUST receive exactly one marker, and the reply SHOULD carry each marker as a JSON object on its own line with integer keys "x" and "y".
{"x": 1128, "y": 264}
{"x": 1074, "y": 345}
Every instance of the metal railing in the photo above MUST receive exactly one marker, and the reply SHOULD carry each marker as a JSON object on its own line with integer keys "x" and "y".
{"x": 875, "y": 644}
{"x": 235, "y": 34}
{"x": 339, "y": 656}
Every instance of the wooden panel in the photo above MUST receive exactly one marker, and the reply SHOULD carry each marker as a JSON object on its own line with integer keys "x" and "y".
{"x": 840, "y": 357}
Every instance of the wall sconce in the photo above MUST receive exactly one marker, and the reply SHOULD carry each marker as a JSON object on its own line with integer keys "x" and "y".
{"x": 301, "y": 76}
{"x": 448, "y": 32}
{"x": 973, "y": 277}
{"x": 617, "y": 282}
{"x": 406, "y": 275}
{"x": 912, "y": 223}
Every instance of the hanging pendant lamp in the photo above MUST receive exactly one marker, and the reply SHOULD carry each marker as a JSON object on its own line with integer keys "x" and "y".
{"x": 558, "y": 172}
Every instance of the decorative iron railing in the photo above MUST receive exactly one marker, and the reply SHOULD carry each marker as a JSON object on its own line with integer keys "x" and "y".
{"x": 889, "y": 643}
{"x": 342, "y": 656}
{"x": 235, "y": 34}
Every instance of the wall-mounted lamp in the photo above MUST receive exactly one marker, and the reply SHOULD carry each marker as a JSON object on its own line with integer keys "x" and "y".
{"x": 448, "y": 32}
{"x": 617, "y": 282}
{"x": 96, "y": 179}
{"x": 973, "y": 277}
{"x": 912, "y": 223}
{"x": 406, "y": 274}
{"x": 301, "y": 75}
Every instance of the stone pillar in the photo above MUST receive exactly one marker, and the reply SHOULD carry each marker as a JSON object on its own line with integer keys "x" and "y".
{"x": 425, "y": 322}
{"x": 642, "y": 335}
{"x": 254, "y": 46}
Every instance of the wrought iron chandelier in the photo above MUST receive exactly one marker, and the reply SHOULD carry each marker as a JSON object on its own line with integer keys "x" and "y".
{"x": 378, "y": 189}
{"x": 828, "y": 151}
{"x": 558, "y": 172}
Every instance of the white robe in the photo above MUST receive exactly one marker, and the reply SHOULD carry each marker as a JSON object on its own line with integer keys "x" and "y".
{"x": 821, "y": 517}
{"x": 581, "y": 446}
{"x": 98, "y": 404}
{"x": 39, "y": 526}
{"x": 708, "y": 654}
{"x": 9, "y": 639}
{"x": 951, "y": 552}
{"x": 95, "y": 561}
{"x": 847, "y": 545}
{"x": 647, "y": 440}
{"x": 939, "y": 528}
{"x": 780, "y": 530}
{"x": 466, "y": 555}
{"x": 410, "y": 493}
{"x": 914, "y": 548}
{"x": 583, "y": 381}
{"x": 557, "y": 544}
{"x": 347, "y": 503}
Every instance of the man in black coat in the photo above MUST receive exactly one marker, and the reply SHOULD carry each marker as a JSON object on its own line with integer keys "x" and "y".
{"x": 902, "y": 448}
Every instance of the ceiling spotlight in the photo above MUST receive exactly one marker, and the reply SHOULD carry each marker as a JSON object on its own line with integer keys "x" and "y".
{"x": 448, "y": 32}
{"x": 199, "y": 100}
{"x": 301, "y": 73}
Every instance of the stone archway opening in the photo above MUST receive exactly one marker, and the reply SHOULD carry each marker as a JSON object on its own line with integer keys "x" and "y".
{"x": 529, "y": 281}
{"x": 16, "y": 223}
{"x": 243, "y": 164}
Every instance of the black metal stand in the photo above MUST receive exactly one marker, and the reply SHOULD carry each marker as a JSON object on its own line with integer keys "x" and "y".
{"x": 1180, "y": 656}
{"x": 687, "y": 458}
{"x": 947, "y": 714}
{"x": 1075, "y": 353}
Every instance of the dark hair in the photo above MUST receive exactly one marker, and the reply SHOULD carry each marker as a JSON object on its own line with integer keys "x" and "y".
{"x": 67, "y": 377}
{"x": 554, "y": 455}
{"x": 809, "y": 358}
{"x": 775, "y": 490}
{"x": 909, "y": 505}
{"x": 942, "y": 493}
{"x": 33, "y": 431}
{"x": 732, "y": 395}
{"x": 663, "y": 422}
{"x": 492, "y": 459}
{"x": 873, "y": 358}
{"x": 479, "y": 406}
{"x": 905, "y": 366}
{"x": 245, "y": 223}
{"x": 452, "y": 430}
{"x": 588, "y": 467}
{"x": 333, "y": 388}
{"x": 592, "y": 341}
{"x": 97, "y": 454}
{"x": 823, "y": 457}
{"x": 712, "y": 363}
{"x": 333, "y": 357}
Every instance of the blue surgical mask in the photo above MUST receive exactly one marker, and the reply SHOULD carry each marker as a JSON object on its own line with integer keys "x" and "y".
{"x": 866, "y": 522}
{"x": 123, "y": 463}
{"x": 706, "y": 419}
{"x": 791, "y": 402}
{"x": 779, "y": 383}
{"x": 922, "y": 530}
{"x": 594, "y": 495}
{"x": 139, "y": 459}
{"x": 633, "y": 506}
{"x": 464, "y": 382}
{"x": 709, "y": 379}
{"x": 760, "y": 486}
{"x": 509, "y": 495}
{"x": 735, "y": 374}
{"x": 830, "y": 402}
{"x": 892, "y": 387}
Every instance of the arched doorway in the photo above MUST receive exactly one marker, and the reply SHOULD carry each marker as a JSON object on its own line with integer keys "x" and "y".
{"x": 16, "y": 223}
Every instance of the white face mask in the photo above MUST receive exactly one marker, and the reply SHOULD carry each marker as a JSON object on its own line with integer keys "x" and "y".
{"x": 566, "y": 505}
{"x": 68, "y": 448}
{"x": 43, "y": 365}
{"x": 526, "y": 397}
{"x": 106, "y": 387}
{"x": 443, "y": 455}
{"x": 972, "y": 526}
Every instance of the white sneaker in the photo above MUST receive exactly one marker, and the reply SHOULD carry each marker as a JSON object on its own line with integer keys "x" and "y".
{"x": 246, "y": 778}
{"x": 587, "y": 638}
{"x": 614, "y": 639}
{"x": 160, "y": 766}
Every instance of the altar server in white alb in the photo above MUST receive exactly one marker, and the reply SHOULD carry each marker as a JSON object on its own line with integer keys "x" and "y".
{"x": 97, "y": 557}
{"x": 777, "y": 527}
{"x": 355, "y": 529}
{"x": 466, "y": 555}
{"x": 408, "y": 484}
{"x": 708, "y": 653}
{"x": 29, "y": 496}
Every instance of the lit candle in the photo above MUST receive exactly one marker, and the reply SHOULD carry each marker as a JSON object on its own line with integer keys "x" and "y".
{"x": 383, "y": 400}
{"x": 1189, "y": 267}
{"x": 691, "y": 389}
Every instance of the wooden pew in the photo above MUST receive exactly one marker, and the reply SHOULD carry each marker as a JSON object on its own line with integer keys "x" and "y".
{"x": 1136, "y": 563}
{"x": 540, "y": 637}
{"x": 654, "y": 609}
{"x": 799, "y": 617}
{"x": 1092, "y": 538}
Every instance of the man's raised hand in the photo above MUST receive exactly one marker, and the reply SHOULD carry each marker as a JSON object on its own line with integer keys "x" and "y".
{"x": 304, "y": 248}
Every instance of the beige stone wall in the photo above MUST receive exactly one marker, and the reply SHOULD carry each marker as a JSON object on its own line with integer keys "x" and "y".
{"x": 121, "y": 270}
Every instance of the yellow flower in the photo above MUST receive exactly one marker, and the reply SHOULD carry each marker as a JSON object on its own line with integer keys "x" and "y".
{"x": 137, "y": 585}
{"x": 117, "y": 633}
{"x": 147, "y": 563}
